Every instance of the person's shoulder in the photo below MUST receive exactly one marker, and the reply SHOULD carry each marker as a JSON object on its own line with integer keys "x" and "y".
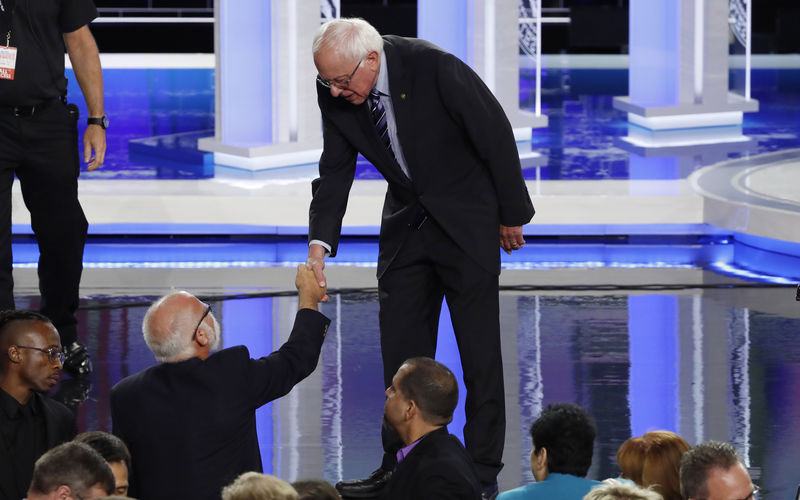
{"x": 56, "y": 407}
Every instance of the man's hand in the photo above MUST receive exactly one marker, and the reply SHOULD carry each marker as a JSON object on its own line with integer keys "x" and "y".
{"x": 511, "y": 238}
{"x": 94, "y": 139}
{"x": 309, "y": 291}
{"x": 316, "y": 262}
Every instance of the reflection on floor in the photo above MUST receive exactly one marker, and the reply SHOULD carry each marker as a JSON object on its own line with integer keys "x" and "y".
{"x": 713, "y": 359}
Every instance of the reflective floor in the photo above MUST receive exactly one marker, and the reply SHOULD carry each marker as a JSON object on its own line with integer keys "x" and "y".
{"x": 709, "y": 356}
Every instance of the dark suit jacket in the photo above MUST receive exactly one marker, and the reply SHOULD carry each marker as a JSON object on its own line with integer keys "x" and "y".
{"x": 437, "y": 467}
{"x": 60, "y": 426}
{"x": 457, "y": 142}
{"x": 191, "y": 425}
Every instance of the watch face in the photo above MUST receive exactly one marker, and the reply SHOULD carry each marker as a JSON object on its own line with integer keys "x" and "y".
{"x": 105, "y": 121}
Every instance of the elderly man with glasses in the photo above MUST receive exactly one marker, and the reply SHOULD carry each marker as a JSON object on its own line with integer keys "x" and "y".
{"x": 189, "y": 422}
{"x": 30, "y": 423}
{"x": 456, "y": 196}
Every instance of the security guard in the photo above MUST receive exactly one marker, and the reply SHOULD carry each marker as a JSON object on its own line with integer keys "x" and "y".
{"x": 39, "y": 143}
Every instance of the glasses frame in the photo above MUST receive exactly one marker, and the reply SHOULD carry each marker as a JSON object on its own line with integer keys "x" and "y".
{"x": 200, "y": 323}
{"x": 53, "y": 353}
{"x": 340, "y": 84}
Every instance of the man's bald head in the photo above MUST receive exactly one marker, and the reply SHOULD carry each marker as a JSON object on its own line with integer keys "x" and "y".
{"x": 173, "y": 328}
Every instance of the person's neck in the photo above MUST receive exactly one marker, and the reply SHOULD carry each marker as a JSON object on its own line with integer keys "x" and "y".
{"x": 417, "y": 431}
{"x": 17, "y": 391}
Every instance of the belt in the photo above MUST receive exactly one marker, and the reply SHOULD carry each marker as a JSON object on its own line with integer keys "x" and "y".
{"x": 26, "y": 111}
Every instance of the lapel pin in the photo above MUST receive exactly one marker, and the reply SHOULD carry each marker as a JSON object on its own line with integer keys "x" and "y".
{"x": 402, "y": 95}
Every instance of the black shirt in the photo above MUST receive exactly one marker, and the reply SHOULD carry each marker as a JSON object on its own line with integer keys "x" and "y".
{"x": 37, "y": 27}
{"x": 23, "y": 431}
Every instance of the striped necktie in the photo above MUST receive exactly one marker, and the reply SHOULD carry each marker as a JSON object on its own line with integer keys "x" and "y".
{"x": 378, "y": 113}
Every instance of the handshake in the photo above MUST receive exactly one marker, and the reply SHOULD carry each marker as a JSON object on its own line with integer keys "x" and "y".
{"x": 309, "y": 290}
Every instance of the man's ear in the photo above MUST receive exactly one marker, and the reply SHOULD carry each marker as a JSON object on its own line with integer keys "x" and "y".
{"x": 541, "y": 458}
{"x": 64, "y": 492}
{"x": 411, "y": 409}
{"x": 13, "y": 354}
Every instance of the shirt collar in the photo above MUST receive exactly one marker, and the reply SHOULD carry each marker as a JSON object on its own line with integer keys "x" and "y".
{"x": 12, "y": 407}
{"x": 382, "y": 85}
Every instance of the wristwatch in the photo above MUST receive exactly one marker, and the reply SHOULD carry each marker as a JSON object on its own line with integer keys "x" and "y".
{"x": 102, "y": 121}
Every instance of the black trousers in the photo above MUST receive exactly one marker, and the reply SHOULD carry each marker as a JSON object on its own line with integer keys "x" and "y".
{"x": 42, "y": 150}
{"x": 428, "y": 268}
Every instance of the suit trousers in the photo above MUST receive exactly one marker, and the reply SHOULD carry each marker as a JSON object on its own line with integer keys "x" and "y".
{"x": 42, "y": 150}
{"x": 430, "y": 267}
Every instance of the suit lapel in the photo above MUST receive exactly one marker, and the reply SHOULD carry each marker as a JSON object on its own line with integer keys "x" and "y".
{"x": 399, "y": 88}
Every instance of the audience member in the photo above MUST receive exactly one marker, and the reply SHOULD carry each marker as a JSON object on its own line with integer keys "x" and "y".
{"x": 258, "y": 486}
{"x": 432, "y": 464}
{"x": 315, "y": 489}
{"x": 114, "y": 451}
{"x": 189, "y": 422}
{"x": 630, "y": 458}
{"x": 613, "y": 489}
{"x": 662, "y": 461}
{"x": 30, "y": 423}
{"x": 563, "y": 442}
{"x": 715, "y": 471}
{"x": 71, "y": 471}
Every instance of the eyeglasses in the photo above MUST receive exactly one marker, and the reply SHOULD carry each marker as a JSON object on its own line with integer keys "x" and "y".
{"x": 200, "y": 323}
{"x": 341, "y": 83}
{"x": 53, "y": 353}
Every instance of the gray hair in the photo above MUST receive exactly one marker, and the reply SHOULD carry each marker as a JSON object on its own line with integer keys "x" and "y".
{"x": 255, "y": 485}
{"x": 164, "y": 347}
{"x": 698, "y": 461}
{"x": 613, "y": 489}
{"x": 167, "y": 342}
{"x": 350, "y": 38}
{"x": 71, "y": 464}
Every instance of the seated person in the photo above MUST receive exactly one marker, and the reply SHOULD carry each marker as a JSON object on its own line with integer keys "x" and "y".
{"x": 315, "y": 489}
{"x": 114, "y": 451}
{"x": 613, "y": 489}
{"x": 662, "y": 462}
{"x": 433, "y": 463}
{"x": 189, "y": 422}
{"x": 71, "y": 471}
{"x": 563, "y": 442}
{"x": 630, "y": 458}
{"x": 30, "y": 423}
{"x": 715, "y": 471}
{"x": 255, "y": 485}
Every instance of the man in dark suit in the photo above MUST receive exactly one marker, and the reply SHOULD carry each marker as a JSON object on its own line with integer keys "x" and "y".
{"x": 456, "y": 191}
{"x": 189, "y": 422}
{"x": 432, "y": 463}
{"x": 30, "y": 423}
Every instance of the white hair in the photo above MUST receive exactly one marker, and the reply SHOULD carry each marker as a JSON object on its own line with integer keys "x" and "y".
{"x": 175, "y": 341}
{"x": 613, "y": 489}
{"x": 252, "y": 485}
{"x": 350, "y": 38}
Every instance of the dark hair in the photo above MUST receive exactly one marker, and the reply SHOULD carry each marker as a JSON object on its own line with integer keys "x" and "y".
{"x": 72, "y": 464}
{"x": 315, "y": 489}
{"x": 10, "y": 316}
{"x": 109, "y": 446}
{"x": 567, "y": 432}
{"x": 698, "y": 461}
{"x": 433, "y": 387}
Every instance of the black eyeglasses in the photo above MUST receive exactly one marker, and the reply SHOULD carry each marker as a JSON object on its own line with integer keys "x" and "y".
{"x": 53, "y": 353}
{"x": 200, "y": 323}
{"x": 341, "y": 83}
